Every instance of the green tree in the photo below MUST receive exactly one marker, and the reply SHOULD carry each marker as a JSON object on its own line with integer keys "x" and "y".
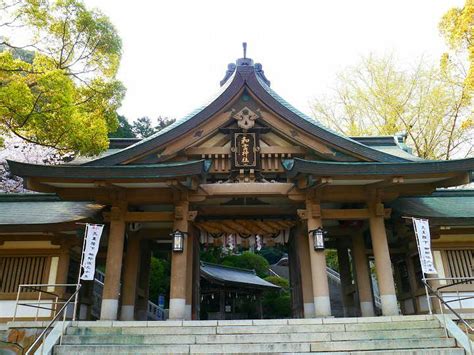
{"x": 163, "y": 122}
{"x": 64, "y": 94}
{"x": 160, "y": 270}
{"x": 378, "y": 97}
{"x": 124, "y": 129}
{"x": 143, "y": 127}
{"x": 457, "y": 27}
{"x": 277, "y": 303}
{"x": 248, "y": 260}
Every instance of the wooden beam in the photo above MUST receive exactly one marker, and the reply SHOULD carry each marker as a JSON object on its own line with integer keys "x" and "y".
{"x": 350, "y": 214}
{"x": 145, "y": 216}
{"x": 245, "y": 189}
{"x": 236, "y": 225}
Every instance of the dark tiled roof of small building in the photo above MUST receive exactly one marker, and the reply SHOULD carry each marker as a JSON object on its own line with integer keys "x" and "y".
{"x": 234, "y": 276}
{"x": 39, "y": 209}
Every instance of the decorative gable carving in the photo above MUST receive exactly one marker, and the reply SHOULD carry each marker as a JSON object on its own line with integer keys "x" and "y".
{"x": 246, "y": 118}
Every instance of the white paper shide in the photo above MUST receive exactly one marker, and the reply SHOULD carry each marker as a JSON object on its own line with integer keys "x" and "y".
{"x": 93, "y": 234}
{"x": 422, "y": 232}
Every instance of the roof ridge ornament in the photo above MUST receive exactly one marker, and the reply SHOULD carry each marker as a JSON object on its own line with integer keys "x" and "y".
{"x": 244, "y": 62}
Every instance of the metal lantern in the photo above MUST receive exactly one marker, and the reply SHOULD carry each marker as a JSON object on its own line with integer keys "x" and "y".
{"x": 318, "y": 235}
{"x": 178, "y": 240}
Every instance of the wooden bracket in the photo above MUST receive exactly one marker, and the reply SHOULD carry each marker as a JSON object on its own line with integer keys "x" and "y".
{"x": 178, "y": 213}
{"x": 302, "y": 214}
{"x": 315, "y": 210}
{"x": 116, "y": 213}
{"x": 379, "y": 210}
{"x": 192, "y": 215}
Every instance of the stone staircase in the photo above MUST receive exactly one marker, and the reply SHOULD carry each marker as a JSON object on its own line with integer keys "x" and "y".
{"x": 378, "y": 335}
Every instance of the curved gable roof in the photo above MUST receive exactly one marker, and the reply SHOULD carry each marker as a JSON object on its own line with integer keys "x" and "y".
{"x": 245, "y": 76}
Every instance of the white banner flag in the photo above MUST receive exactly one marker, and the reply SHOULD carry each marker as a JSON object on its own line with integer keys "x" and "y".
{"x": 422, "y": 232}
{"x": 93, "y": 234}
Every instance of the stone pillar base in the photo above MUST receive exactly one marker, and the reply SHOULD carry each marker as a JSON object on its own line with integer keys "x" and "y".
{"x": 127, "y": 312}
{"x": 188, "y": 312}
{"x": 109, "y": 309}
{"x": 309, "y": 310}
{"x": 177, "y": 308}
{"x": 322, "y": 305}
{"x": 389, "y": 305}
{"x": 367, "y": 309}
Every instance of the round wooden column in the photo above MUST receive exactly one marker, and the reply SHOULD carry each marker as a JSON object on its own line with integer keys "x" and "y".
{"x": 363, "y": 276}
{"x": 129, "y": 286}
{"x": 346, "y": 281}
{"x": 113, "y": 265}
{"x": 179, "y": 266}
{"x": 383, "y": 264}
{"x": 322, "y": 303}
{"x": 189, "y": 277}
{"x": 305, "y": 270}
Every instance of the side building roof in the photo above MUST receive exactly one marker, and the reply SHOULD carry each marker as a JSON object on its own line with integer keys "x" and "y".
{"x": 42, "y": 209}
{"x": 446, "y": 207}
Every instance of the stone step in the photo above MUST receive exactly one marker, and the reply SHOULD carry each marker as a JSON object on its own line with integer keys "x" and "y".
{"x": 325, "y": 347}
{"x": 247, "y": 338}
{"x": 120, "y": 349}
{"x": 386, "y": 344}
{"x": 254, "y": 329}
{"x": 387, "y": 334}
{"x": 425, "y": 351}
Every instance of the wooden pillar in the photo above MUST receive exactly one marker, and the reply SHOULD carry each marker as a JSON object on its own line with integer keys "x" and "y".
{"x": 346, "y": 281}
{"x": 113, "y": 266}
{"x": 294, "y": 268}
{"x": 141, "y": 306}
{"x": 177, "y": 308}
{"x": 305, "y": 271}
{"x": 383, "y": 263}
{"x": 363, "y": 276}
{"x": 322, "y": 304}
{"x": 189, "y": 275}
{"x": 196, "y": 297}
{"x": 129, "y": 286}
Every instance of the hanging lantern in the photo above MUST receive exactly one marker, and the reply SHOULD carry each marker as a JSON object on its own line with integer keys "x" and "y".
{"x": 178, "y": 240}
{"x": 318, "y": 235}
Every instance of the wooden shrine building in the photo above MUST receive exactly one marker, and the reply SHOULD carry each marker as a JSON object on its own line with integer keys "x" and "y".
{"x": 249, "y": 164}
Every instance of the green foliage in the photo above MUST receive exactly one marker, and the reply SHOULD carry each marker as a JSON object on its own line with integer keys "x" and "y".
{"x": 331, "y": 259}
{"x": 277, "y": 304}
{"x": 457, "y": 27}
{"x": 124, "y": 129}
{"x": 212, "y": 255}
{"x": 427, "y": 102}
{"x": 60, "y": 91}
{"x": 248, "y": 260}
{"x": 143, "y": 127}
{"x": 159, "y": 278}
{"x": 279, "y": 281}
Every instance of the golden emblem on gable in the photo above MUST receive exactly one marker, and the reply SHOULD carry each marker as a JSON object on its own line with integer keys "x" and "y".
{"x": 245, "y": 118}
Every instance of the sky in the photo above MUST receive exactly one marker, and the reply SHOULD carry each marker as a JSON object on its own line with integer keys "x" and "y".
{"x": 175, "y": 52}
